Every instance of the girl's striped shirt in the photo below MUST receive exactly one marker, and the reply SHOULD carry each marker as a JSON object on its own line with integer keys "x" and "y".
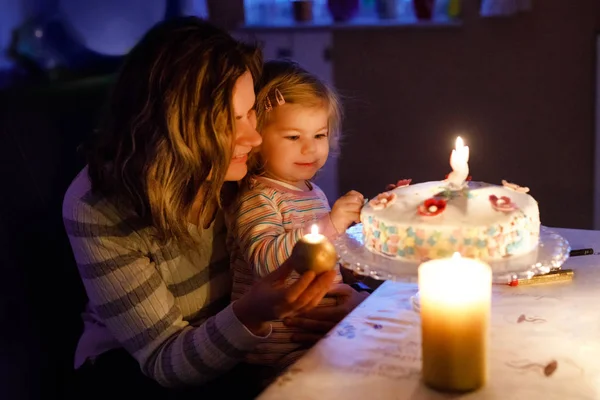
{"x": 264, "y": 225}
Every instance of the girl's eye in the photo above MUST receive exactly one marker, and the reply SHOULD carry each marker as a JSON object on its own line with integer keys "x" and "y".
{"x": 292, "y": 137}
{"x": 321, "y": 136}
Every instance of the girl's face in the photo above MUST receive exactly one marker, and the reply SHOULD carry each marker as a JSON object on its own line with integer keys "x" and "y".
{"x": 295, "y": 142}
{"x": 245, "y": 127}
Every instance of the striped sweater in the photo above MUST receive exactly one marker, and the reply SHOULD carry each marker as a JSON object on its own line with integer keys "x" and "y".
{"x": 168, "y": 306}
{"x": 264, "y": 225}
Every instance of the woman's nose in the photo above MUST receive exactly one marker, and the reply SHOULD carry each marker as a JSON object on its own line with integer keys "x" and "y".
{"x": 249, "y": 137}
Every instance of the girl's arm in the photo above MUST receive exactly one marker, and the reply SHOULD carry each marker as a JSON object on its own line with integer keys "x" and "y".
{"x": 259, "y": 230}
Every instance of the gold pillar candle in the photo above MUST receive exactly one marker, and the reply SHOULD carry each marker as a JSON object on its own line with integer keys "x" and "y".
{"x": 314, "y": 252}
{"x": 455, "y": 298}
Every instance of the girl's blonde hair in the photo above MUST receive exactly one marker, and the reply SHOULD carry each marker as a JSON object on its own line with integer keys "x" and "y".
{"x": 170, "y": 127}
{"x": 286, "y": 80}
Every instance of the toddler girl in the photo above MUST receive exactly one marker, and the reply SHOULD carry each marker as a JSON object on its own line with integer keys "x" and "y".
{"x": 298, "y": 117}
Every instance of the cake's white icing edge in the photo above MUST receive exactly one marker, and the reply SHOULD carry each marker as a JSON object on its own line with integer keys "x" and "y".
{"x": 469, "y": 224}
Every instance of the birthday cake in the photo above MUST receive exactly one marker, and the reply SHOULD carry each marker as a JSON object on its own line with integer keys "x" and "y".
{"x": 435, "y": 219}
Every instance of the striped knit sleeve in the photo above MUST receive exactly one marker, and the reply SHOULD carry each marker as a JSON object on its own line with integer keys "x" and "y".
{"x": 129, "y": 295}
{"x": 259, "y": 230}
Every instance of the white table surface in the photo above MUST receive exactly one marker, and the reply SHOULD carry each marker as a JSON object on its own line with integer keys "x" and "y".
{"x": 374, "y": 353}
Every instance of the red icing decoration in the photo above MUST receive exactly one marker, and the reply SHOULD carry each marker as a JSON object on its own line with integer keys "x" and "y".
{"x": 425, "y": 208}
{"x": 503, "y": 203}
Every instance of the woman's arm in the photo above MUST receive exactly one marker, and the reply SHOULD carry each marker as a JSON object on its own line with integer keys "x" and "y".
{"x": 131, "y": 298}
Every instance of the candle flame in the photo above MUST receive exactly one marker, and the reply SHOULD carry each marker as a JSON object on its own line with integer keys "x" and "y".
{"x": 459, "y": 161}
{"x": 314, "y": 230}
{"x": 454, "y": 281}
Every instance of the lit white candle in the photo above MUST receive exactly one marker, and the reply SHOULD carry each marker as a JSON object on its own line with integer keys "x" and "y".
{"x": 314, "y": 252}
{"x": 459, "y": 161}
{"x": 455, "y": 300}
{"x": 314, "y": 236}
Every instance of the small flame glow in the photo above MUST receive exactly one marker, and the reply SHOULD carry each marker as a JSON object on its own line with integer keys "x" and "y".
{"x": 314, "y": 230}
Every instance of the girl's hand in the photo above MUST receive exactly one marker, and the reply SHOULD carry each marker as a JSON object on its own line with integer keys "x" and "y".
{"x": 346, "y": 210}
{"x": 316, "y": 323}
{"x": 270, "y": 299}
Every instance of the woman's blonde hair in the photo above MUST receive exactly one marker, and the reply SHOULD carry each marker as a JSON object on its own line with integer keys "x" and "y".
{"x": 285, "y": 81}
{"x": 169, "y": 132}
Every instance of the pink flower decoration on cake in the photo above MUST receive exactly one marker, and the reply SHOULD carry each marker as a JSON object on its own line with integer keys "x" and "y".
{"x": 432, "y": 207}
{"x": 503, "y": 203}
{"x": 515, "y": 187}
{"x": 399, "y": 184}
{"x": 382, "y": 200}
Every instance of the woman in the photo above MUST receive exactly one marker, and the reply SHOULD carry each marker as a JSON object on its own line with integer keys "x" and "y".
{"x": 145, "y": 226}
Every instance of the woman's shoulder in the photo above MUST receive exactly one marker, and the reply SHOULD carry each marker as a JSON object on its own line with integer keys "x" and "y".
{"x": 82, "y": 207}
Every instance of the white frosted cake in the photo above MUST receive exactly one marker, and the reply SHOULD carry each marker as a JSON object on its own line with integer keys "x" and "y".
{"x": 429, "y": 220}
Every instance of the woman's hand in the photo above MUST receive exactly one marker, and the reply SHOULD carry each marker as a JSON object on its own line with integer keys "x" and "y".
{"x": 270, "y": 299}
{"x": 316, "y": 323}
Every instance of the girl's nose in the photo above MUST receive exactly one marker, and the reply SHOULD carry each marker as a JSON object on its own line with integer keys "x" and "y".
{"x": 308, "y": 147}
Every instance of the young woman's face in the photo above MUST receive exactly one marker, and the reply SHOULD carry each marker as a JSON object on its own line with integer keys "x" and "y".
{"x": 245, "y": 127}
{"x": 295, "y": 142}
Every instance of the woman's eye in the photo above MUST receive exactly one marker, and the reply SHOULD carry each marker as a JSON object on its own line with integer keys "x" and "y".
{"x": 249, "y": 115}
{"x": 292, "y": 137}
{"x": 321, "y": 136}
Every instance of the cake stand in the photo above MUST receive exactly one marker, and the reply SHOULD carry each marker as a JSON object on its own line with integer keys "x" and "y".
{"x": 552, "y": 251}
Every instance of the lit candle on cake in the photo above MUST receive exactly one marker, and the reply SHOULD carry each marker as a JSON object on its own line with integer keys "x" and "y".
{"x": 455, "y": 298}
{"x": 459, "y": 161}
{"x": 314, "y": 252}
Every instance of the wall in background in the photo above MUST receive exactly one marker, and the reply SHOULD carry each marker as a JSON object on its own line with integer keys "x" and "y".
{"x": 109, "y": 27}
{"x": 112, "y": 27}
{"x": 520, "y": 90}
{"x": 11, "y": 15}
